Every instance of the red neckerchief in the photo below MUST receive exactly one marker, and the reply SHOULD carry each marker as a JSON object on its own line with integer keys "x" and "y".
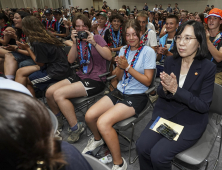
{"x": 145, "y": 35}
{"x": 23, "y": 37}
{"x": 84, "y": 53}
{"x": 102, "y": 31}
{"x": 2, "y": 30}
{"x": 134, "y": 58}
{"x": 111, "y": 37}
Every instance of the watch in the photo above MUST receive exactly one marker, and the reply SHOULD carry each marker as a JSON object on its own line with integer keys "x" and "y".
{"x": 127, "y": 68}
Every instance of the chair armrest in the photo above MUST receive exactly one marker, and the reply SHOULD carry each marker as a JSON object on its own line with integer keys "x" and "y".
{"x": 104, "y": 74}
{"x": 221, "y": 122}
{"x": 110, "y": 77}
{"x": 75, "y": 66}
{"x": 149, "y": 90}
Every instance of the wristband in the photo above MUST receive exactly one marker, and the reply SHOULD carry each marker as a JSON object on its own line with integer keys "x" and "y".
{"x": 95, "y": 44}
{"x": 127, "y": 68}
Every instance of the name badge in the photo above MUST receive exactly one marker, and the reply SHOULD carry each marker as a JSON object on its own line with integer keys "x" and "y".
{"x": 85, "y": 69}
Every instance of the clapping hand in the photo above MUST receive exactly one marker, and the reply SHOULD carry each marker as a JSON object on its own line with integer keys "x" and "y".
{"x": 169, "y": 82}
{"x": 122, "y": 62}
{"x": 22, "y": 45}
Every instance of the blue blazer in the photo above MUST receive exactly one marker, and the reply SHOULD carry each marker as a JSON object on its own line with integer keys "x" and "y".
{"x": 191, "y": 103}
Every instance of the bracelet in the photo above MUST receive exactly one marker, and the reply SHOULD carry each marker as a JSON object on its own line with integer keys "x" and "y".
{"x": 127, "y": 68}
{"x": 17, "y": 49}
{"x": 95, "y": 44}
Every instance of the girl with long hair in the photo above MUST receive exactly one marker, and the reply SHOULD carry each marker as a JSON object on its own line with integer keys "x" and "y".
{"x": 16, "y": 57}
{"x": 50, "y": 59}
{"x": 136, "y": 63}
{"x": 4, "y": 39}
{"x": 92, "y": 54}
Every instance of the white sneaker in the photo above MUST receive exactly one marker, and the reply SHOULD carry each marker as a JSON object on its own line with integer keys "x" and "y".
{"x": 124, "y": 167}
{"x": 92, "y": 144}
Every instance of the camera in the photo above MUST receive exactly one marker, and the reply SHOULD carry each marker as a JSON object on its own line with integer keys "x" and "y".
{"x": 82, "y": 35}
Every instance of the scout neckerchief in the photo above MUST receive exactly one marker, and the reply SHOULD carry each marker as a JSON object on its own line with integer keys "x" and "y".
{"x": 164, "y": 39}
{"x": 133, "y": 64}
{"x": 144, "y": 38}
{"x": 3, "y": 29}
{"x": 58, "y": 25}
{"x": 216, "y": 41}
{"x": 83, "y": 59}
{"x": 115, "y": 41}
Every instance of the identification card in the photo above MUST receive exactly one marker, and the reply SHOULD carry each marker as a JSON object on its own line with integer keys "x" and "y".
{"x": 85, "y": 69}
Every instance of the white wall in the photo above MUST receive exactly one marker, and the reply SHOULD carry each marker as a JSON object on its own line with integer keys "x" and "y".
{"x": 190, "y": 5}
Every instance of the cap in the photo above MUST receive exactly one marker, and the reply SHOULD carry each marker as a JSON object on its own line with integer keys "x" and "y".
{"x": 85, "y": 11}
{"x": 103, "y": 14}
{"x": 214, "y": 12}
{"x": 48, "y": 11}
{"x": 58, "y": 11}
{"x": 104, "y": 2}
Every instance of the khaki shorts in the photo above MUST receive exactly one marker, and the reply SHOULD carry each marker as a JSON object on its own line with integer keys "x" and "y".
{"x": 218, "y": 78}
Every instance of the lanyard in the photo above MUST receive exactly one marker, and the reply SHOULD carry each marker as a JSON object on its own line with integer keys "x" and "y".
{"x": 3, "y": 29}
{"x": 133, "y": 64}
{"x": 58, "y": 26}
{"x": 115, "y": 40}
{"x": 171, "y": 46}
{"x": 83, "y": 60}
{"x": 215, "y": 42}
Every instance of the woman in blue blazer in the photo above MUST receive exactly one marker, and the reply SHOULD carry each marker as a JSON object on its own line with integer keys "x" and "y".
{"x": 185, "y": 94}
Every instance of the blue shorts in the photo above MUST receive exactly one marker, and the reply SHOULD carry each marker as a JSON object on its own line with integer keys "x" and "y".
{"x": 41, "y": 79}
{"x": 23, "y": 60}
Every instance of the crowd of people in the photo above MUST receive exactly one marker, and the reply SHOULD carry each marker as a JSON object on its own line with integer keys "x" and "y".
{"x": 184, "y": 48}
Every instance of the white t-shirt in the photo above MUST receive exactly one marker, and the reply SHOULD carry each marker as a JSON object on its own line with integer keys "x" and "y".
{"x": 151, "y": 41}
{"x": 147, "y": 60}
{"x": 151, "y": 26}
{"x": 12, "y": 85}
{"x": 155, "y": 9}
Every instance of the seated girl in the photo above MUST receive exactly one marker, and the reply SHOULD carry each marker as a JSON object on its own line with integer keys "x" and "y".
{"x": 92, "y": 53}
{"x": 136, "y": 64}
{"x": 50, "y": 59}
{"x": 4, "y": 39}
{"x": 16, "y": 57}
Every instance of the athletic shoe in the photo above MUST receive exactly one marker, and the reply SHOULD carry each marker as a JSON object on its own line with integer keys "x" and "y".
{"x": 60, "y": 122}
{"x": 58, "y": 135}
{"x": 117, "y": 167}
{"x": 92, "y": 144}
{"x": 74, "y": 135}
{"x": 153, "y": 98}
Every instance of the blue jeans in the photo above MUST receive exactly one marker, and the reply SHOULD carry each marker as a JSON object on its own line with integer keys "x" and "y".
{"x": 23, "y": 60}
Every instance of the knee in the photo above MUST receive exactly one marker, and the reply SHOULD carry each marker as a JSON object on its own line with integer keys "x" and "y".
{"x": 49, "y": 93}
{"x": 91, "y": 116}
{"x": 58, "y": 95}
{"x": 142, "y": 149}
{"x": 159, "y": 159}
{"x": 20, "y": 72}
{"x": 103, "y": 125}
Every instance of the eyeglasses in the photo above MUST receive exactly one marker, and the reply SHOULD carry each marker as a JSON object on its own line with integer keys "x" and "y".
{"x": 186, "y": 39}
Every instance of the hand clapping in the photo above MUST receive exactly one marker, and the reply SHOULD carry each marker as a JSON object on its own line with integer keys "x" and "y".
{"x": 169, "y": 82}
{"x": 121, "y": 62}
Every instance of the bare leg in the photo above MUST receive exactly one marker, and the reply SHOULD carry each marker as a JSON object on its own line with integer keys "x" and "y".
{"x": 23, "y": 73}
{"x": 62, "y": 97}
{"x": 2, "y": 64}
{"x": 3, "y": 52}
{"x": 49, "y": 95}
{"x": 95, "y": 112}
{"x": 10, "y": 64}
{"x": 105, "y": 125}
{"x": 30, "y": 87}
